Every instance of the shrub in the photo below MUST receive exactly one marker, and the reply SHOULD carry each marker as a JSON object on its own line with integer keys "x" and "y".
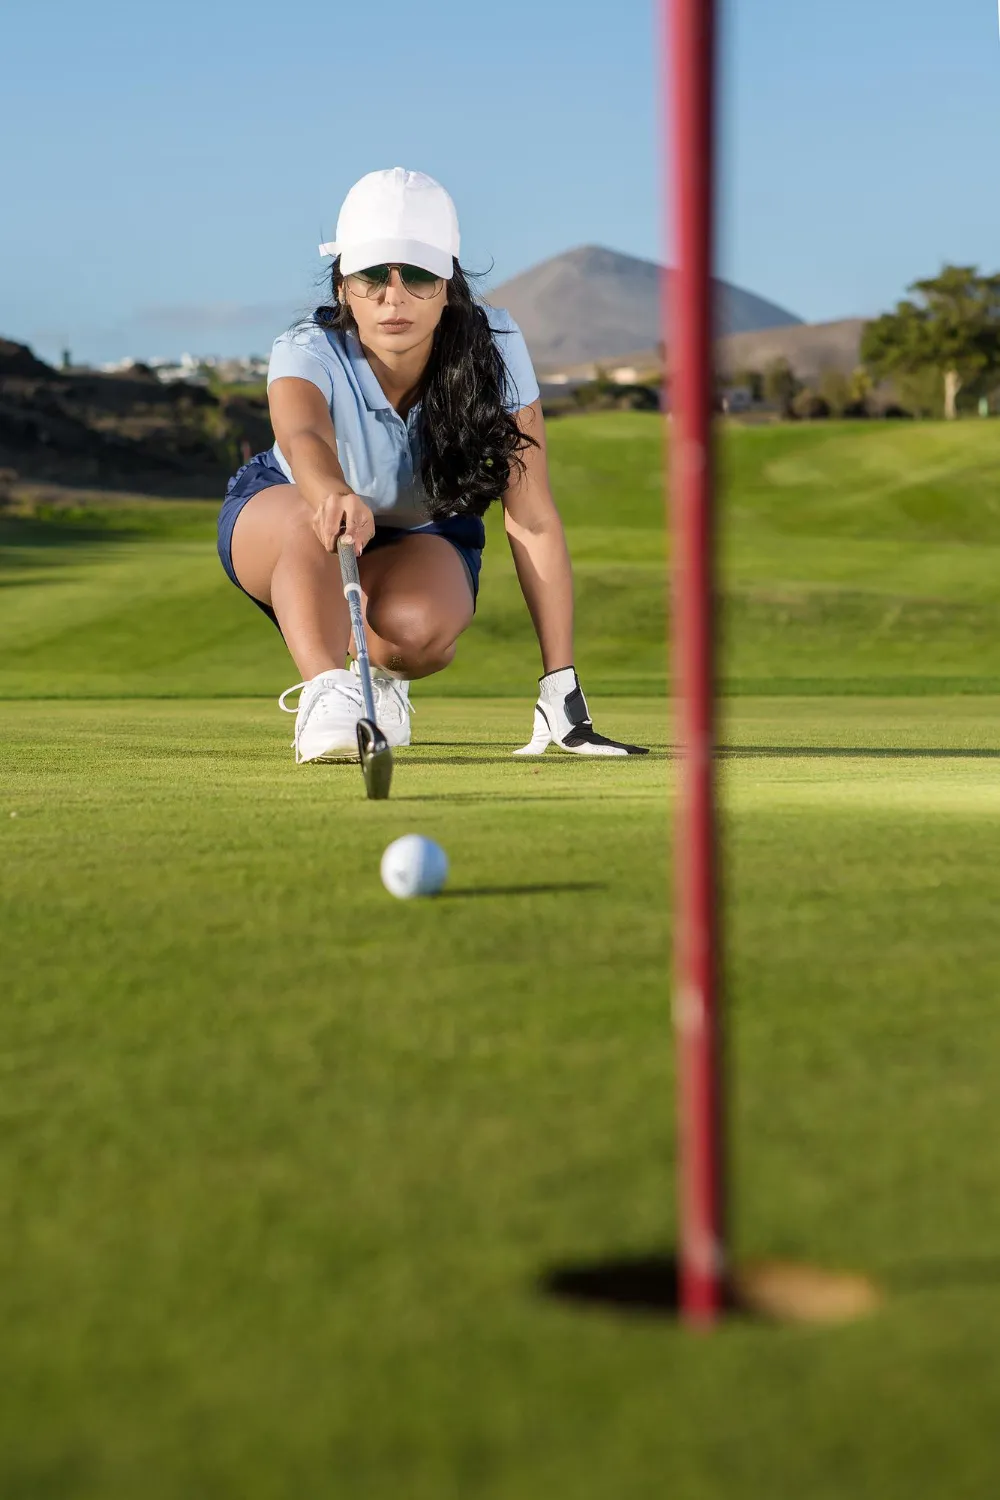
{"x": 810, "y": 406}
{"x": 638, "y": 398}
{"x": 781, "y": 385}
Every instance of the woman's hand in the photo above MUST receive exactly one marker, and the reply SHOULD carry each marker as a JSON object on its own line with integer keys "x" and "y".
{"x": 344, "y": 514}
{"x": 562, "y": 718}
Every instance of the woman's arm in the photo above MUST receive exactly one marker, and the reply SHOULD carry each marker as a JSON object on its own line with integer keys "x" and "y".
{"x": 541, "y": 558}
{"x": 305, "y": 433}
{"x": 538, "y": 543}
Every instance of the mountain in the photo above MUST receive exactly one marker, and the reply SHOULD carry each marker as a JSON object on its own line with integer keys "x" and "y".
{"x": 591, "y": 303}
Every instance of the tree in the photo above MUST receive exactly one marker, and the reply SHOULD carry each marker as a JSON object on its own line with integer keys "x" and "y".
{"x": 835, "y": 392}
{"x": 861, "y": 386}
{"x": 781, "y": 385}
{"x": 922, "y": 392}
{"x": 752, "y": 381}
{"x": 953, "y": 328}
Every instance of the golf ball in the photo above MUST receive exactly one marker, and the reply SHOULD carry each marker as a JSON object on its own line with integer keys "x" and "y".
{"x": 414, "y": 866}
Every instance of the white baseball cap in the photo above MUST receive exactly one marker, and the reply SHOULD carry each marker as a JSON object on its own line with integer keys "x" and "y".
{"x": 396, "y": 215}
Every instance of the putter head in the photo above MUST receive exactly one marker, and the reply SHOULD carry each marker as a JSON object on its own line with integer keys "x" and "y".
{"x": 376, "y": 760}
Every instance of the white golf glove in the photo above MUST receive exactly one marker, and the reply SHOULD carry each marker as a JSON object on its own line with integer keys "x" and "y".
{"x": 563, "y": 719}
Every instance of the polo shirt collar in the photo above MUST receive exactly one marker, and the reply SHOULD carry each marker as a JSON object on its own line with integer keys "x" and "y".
{"x": 375, "y": 397}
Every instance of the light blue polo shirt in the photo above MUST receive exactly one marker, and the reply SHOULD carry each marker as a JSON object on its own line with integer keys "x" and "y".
{"x": 379, "y": 451}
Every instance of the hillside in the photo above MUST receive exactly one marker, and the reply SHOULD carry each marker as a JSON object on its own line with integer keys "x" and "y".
{"x": 593, "y": 303}
{"x": 809, "y": 348}
{"x": 84, "y": 428}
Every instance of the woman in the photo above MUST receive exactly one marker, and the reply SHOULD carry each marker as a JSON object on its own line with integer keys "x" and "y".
{"x": 400, "y": 412}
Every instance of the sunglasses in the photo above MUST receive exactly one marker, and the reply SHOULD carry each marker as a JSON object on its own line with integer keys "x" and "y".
{"x": 374, "y": 279}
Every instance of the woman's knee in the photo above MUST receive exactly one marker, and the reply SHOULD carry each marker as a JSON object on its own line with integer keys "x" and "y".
{"x": 437, "y": 654}
{"x": 422, "y": 639}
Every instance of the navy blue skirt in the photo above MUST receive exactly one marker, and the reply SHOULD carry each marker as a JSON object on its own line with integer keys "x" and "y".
{"x": 465, "y": 533}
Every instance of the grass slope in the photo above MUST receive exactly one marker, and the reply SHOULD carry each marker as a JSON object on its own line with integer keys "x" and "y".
{"x": 856, "y": 558}
{"x": 285, "y": 1161}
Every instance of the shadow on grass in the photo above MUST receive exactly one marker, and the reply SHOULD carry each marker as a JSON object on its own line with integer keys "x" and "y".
{"x": 507, "y": 747}
{"x": 636, "y": 1284}
{"x": 521, "y": 890}
{"x": 480, "y": 799}
{"x": 501, "y": 754}
{"x": 850, "y": 752}
{"x": 41, "y": 531}
{"x": 31, "y": 543}
{"x": 491, "y": 758}
{"x": 19, "y": 576}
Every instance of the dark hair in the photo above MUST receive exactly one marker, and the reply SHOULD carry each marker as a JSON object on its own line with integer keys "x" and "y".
{"x": 469, "y": 441}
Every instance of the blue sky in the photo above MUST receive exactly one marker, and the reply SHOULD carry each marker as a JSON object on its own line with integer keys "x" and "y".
{"x": 175, "y": 166}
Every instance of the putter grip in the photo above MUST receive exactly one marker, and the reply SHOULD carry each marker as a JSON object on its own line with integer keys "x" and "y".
{"x": 348, "y": 562}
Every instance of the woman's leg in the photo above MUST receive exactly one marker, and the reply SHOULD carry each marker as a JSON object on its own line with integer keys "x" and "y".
{"x": 279, "y": 559}
{"x": 418, "y": 595}
{"x": 419, "y": 600}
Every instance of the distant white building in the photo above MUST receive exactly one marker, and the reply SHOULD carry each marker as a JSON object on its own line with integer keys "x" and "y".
{"x": 737, "y": 400}
{"x": 116, "y": 366}
{"x": 193, "y": 368}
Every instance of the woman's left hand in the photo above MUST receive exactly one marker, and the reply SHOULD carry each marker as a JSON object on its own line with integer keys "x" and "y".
{"x": 563, "y": 719}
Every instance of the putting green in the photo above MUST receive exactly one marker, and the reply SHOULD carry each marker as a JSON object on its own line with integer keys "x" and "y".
{"x": 288, "y": 1162}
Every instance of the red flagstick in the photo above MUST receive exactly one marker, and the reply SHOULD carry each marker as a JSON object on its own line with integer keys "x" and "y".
{"x": 689, "y": 75}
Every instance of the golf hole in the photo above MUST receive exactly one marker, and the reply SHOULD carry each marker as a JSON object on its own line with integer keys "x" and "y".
{"x": 768, "y": 1291}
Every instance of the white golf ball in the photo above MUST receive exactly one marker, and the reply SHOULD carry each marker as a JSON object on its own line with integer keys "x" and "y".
{"x": 414, "y": 866}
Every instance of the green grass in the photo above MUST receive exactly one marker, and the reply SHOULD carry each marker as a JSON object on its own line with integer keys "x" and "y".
{"x": 858, "y": 558}
{"x": 284, "y": 1163}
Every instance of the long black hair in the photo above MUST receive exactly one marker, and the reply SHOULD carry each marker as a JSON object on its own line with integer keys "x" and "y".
{"x": 469, "y": 441}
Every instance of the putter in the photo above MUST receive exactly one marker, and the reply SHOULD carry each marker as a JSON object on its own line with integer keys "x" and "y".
{"x": 373, "y": 751}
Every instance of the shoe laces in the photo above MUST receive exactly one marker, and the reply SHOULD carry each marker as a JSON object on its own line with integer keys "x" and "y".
{"x": 388, "y": 688}
{"x": 321, "y": 685}
{"x": 288, "y": 708}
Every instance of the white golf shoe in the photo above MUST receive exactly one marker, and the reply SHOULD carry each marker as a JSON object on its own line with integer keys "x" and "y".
{"x": 392, "y": 705}
{"x": 326, "y": 716}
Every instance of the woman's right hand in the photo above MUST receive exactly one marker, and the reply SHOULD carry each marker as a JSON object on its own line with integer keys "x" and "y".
{"x": 345, "y": 515}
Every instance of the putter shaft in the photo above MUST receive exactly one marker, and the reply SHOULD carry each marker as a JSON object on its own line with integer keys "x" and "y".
{"x": 373, "y": 751}
{"x": 352, "y": 593}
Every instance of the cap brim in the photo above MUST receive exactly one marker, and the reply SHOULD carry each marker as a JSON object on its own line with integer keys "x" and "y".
{"x": 377, "y": 252}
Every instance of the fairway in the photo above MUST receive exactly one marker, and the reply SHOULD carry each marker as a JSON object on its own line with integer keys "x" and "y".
{"x": 858, "y": 558}
{"x": 287, "y": 1165}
